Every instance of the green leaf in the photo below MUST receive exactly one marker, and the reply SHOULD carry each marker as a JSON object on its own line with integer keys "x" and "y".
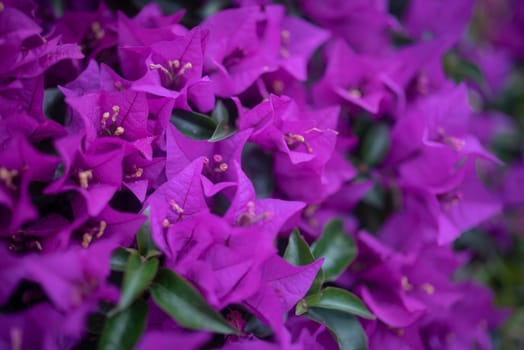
{"x": 461, "y": 69}
{"x": 184, "y": 303}
{"x": 119, "y": 259}
{"x": 95, "y": 323}
{"x": 122, "y": 331}
{"x": 298, "y": 253}
{"x": 376, "y": 196}
{"x": 304, "y": 304}
{"x": 376, "y": 144}
{"x": 167, "y": 6}
{"x": 257, "y": 328}
{"x": 194, "y": 125}
{"x": 258, "y": 166}
{"x": 223, "y": 129}
{"x": 337, "y": 247}
{"x": 138, "y": 276}
{"x": 337, "y": 299}
{"x": 345, "y": 328}
{"x": 58, "y": 7}
{"x": 144, "y": 240}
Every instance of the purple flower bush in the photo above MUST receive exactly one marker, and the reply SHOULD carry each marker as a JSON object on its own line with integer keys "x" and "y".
{"x": 249, "y": 175}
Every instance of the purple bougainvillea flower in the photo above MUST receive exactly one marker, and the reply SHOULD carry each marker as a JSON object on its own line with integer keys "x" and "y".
{"x": 221, "y": 260}
{"x": 413, "y": 276}
{"x": 266, "y": 214}
{"x": 394, "y": 309}
{"x": 304, "y": 141}
{"x": 299, "y": 40}
{"x": 423, "y": 75}
{"x": 26, "y": 53}
{"x": 506, "y": 27}
{"x": 283, "y": 285}
{"x": 152, "y": 16}
{"x": 301, "y": 135}
{"x": 74, "y": 280}
{"x": 241, "y": 47}
{"x": 309, "y": 334}
{"x": 338, "y": 205}
{"x": 42, "y": 327}
{"x": 20, "y": 165}
{"x": 465, "y": 206}
{"x": 509, "y": 184}
{"x": 39, "y": 58}
{"x": 293, "y": 179}
{"x": 178, "y": 199}
{"x": 420, "y": 212}
{"x": 164, "y": 340}
{"x": 437, "y": 19}
{"x": 142, "y": 174}
{"x": 389, "y": 338}
{"x": 95, "y": 78}
{"x": 392, "y": 299}
{"x": 361, "y": 86}
{"x": 118, "y": 114}
{"x": 148, "y": 27}
{"x": 254, "y": 343}
{"x": 282, "y": 83}
{"x": 174, "y": 64}
{"x": 88, "y": 81}
{"x": 174, "y": 69}
{"x": 95, "y": 173}
{"x": 471, "y": 317}
{"x": 306, "y": 341}
{"x": 116, "y": 160}
{"x": 247, "y": 3}
{"x": 230, "y": 269}
{"x": 94, "y": 31}
{"x": 117, "y": 227}
{"x": 24, "y": 96}
{"x": 21, "y": 112}
{"x": 444, "y": 127}
{"x": 433, "y": 141}
{"x": 489, "y": 125}
{"x": 220, "y": 162}
{"x": 494, "y": 64}
{"x": 364, "y": 24}
{"x": 39, "y": 234}
{"x": 17, "y": 24}
{"x": 306, "y": 335}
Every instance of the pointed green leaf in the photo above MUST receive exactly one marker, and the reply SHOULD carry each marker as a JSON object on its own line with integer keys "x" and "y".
{"x": 259, "y": 169}
{"x": 375, "y": 144}
{"x": 257, "y": 328}
{"x": 144, "y": 240}
{"x": 138, "y": 276}
{"x": 337, "y": 247}
{"x": 338, "y": 299}
{"x": 122, "y": 331}
{"x": 345, "y": 328}
{"x": 223, "y": 129}
{"x": 194, "y": 125}
{"x": 58, "y": 7}
{"x": 119, "y": 259}
{"x": 298, "y": 253}
{"x": 185, "y": 304}
{"x": 304, "y": 304}
{"x": 461, "y": 69}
